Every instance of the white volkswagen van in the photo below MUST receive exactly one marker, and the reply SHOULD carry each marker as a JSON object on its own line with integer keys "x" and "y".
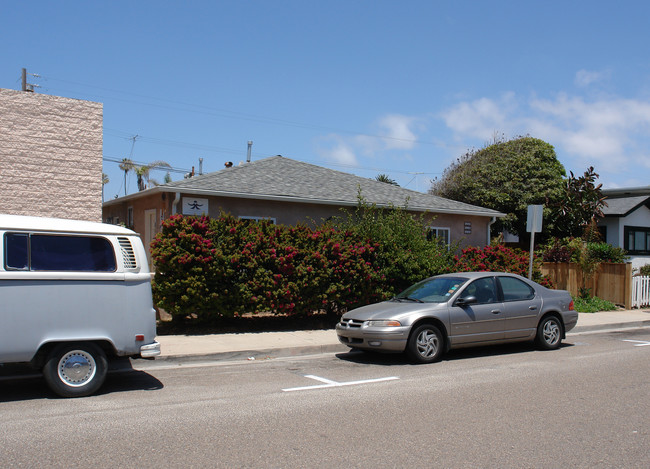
{"x": 73, "y": 294}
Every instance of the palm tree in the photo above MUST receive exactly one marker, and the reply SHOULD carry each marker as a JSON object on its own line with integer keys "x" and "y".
{"x": 386, "y": 179}
{"x": 126, "y": 165}
{"x": 142, "y": 173}
{"x": 105, "y": 181}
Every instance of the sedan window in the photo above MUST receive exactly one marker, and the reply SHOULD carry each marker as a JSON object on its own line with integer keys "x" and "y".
{"x": 514, "y": 289}
{"x": 432, "y": 290}
{"x": 483, "y": 290}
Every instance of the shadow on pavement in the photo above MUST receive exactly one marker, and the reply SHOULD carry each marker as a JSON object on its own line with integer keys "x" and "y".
{"x": 392, "y": 359}
{"x": 22, "y": 383}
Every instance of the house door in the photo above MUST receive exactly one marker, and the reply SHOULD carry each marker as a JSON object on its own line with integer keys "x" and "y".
{"x": 150, "y": 231}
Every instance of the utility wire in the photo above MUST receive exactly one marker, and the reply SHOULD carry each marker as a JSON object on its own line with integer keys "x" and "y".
{"x": 202, "y": 109}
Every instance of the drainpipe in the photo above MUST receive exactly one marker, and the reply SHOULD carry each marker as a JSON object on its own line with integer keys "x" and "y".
{"x": 175, "y": 203}
{"x": 489, "y": 229}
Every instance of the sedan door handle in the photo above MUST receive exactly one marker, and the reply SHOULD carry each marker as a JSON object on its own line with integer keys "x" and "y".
{"x": 532, "y": 308}
{"x": 496, "y": 311}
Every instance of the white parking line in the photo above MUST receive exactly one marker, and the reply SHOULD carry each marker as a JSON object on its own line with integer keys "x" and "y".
{"x": 328, "y": 383}
{"x": 639, "y": 343}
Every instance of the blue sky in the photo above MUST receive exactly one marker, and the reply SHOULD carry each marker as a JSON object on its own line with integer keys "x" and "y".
{"x": 401, "y": 88}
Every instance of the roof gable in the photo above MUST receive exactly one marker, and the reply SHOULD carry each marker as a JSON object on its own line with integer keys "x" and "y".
{"x": 623, "y": 206}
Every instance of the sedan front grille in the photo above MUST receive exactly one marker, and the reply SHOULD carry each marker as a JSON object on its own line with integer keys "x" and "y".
{"x": 351, "y": 323}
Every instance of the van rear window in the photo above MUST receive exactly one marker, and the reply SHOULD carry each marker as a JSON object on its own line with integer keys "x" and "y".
{"x": 59, "y": 253}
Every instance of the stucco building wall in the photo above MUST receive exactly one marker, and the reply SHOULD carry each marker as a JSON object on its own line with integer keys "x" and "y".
{"x": 50, "y": 156}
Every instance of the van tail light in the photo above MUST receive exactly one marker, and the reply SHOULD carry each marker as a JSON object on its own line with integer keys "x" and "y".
{"x": 140, "y": 337}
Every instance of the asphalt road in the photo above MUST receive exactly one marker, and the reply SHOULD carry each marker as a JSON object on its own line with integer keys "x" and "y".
{"x": 585, "y": 405}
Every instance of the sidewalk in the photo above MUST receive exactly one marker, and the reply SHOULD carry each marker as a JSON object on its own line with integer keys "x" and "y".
{"x": 264, "y": 345}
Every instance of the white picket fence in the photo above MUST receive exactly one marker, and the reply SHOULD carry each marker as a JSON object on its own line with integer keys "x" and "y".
{"x": 640, "y": 291}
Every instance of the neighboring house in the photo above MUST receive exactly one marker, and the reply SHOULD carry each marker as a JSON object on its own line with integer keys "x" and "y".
{"x": 50, "y": 156}
{"x": 627, "y": 222}
{"x": 288, "y": 192}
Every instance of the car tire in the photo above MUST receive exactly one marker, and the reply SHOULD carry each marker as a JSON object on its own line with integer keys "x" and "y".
{"x": 75, "y": 370}
{"x": 425, "y": 344}
{"x": 549, "y": 333}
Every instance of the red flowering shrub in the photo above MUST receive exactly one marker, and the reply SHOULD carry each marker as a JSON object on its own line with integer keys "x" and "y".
{"x": 500, "y": 258}
{"x": 193, "y": 273}
{"x": 225, "y": 266}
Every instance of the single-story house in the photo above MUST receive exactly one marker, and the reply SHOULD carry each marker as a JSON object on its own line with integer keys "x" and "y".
{"x": 288, "y": 192}
{"x": 627, "y": 222}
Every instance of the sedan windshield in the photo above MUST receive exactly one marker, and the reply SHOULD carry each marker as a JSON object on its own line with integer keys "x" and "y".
{"x": 432, "y": 290}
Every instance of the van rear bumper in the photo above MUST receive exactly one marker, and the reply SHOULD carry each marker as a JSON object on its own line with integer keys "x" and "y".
{"x": 150, "y": 350}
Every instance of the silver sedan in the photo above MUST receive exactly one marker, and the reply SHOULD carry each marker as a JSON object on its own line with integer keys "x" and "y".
{"x": 460, "y": 310}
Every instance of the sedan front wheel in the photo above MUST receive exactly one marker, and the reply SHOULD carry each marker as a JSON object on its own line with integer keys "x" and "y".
{"x": 425, "y": 344}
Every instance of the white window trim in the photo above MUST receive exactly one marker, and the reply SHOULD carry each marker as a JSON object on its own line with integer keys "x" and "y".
{"x": 442, "y": 228}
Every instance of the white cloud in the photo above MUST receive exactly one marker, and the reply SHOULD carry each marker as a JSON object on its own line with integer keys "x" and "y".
{"x": 398, "y": 132}
{"x": 605, "y": 133}
{"x": 585, "y": 77}
{"x": 336, "y": 150}
{"x": 481, "y": 118}
{"x": 394, "y": 132}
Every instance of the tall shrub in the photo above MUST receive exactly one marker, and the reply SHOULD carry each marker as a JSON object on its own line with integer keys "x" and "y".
{"x": 194, "y": 274}
{"x": 405, "y": 254}
{"x": 224, "y": 267}
{"x": 500, "y": 258}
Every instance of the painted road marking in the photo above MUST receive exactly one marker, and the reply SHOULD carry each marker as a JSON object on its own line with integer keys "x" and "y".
{"x": 639, "y": 343}
{"x": 328, "y": 383}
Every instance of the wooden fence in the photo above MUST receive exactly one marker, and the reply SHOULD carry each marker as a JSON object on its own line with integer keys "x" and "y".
{"x": 612, "y": 282}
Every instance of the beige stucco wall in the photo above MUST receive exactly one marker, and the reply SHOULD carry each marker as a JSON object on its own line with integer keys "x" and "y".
{"x": 466, "y": 230}
{"x": 50, "y": 156}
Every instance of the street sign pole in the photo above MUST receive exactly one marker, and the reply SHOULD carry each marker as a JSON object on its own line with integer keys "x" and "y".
{"x": 533, "y": 225}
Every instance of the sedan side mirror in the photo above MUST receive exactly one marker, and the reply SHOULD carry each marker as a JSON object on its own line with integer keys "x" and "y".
{"x": 465, "y": 301}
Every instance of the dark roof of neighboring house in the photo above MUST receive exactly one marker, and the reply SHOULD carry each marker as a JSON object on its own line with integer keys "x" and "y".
{"x": 626, "y": 191}
{"x": 284, "y": 179}
{"x": 623, "y": 206}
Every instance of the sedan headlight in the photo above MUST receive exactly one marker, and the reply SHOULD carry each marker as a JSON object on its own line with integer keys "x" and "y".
{"x": 382, "y": 323}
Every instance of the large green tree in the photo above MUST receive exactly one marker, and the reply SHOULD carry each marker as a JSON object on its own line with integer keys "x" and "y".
{"x": 506, "y": 176}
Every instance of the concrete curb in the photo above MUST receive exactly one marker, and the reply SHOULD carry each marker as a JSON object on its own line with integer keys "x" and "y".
{"x": 304, "y": 350}
{"x": 615, "y": 326}
{"x": 253, "y": 355}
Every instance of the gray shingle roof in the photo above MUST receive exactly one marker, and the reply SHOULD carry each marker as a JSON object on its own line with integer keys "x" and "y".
{"x": 621, "y": 206}
{"x": 279, "y": 178}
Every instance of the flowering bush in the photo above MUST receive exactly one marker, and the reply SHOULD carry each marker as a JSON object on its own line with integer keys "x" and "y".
{"x": 224, "y": 267}
{"x": 499, "y": 258}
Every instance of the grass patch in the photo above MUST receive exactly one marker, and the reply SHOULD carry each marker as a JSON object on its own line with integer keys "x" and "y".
{"x": 592, "y": 304}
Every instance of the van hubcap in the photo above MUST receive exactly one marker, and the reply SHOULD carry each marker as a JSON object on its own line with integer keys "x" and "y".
{"x": 77, "y": 368}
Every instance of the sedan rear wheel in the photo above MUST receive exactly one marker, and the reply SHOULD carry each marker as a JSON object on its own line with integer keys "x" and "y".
{"x": 425, "y": 344}
{"x": 549, "y": 333}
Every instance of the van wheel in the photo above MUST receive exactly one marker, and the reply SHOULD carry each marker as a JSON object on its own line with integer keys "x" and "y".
{"x": 75, "y": 370}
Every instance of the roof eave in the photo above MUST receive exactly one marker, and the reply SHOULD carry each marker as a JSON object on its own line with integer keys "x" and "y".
{"x": 304, "y": 200}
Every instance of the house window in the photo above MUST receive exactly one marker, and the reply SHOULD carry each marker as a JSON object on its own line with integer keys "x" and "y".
{"x": 269, "y": 219}
{"x": 637, "y": 240}
{"x": 441, "y": 234}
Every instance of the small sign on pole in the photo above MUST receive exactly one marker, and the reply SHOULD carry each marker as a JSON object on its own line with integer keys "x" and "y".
{"x": 533, "y": 225}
